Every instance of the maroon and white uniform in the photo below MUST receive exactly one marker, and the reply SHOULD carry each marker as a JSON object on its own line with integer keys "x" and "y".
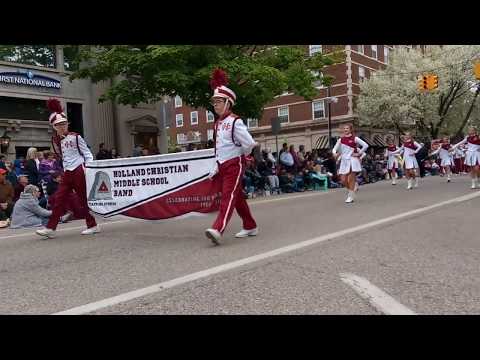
{"x": 409, "y": 149}
{"x": 75, "y": 153}
{"x": 472, "y": 155}
{"x": 446, "y": 157}
{"x": 232, "y": 143}
{"x": 347, "y": 146}
{"x": 392, "y": 160}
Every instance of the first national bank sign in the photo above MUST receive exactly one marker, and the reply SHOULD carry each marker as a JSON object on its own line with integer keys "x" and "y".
{"x": 28, "y": 78}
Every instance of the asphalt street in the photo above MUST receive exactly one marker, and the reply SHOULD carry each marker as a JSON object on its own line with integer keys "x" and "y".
{"x": 421, "y": 258}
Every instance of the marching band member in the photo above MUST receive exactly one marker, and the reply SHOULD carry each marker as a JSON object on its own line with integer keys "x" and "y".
{"x": 409, "y": 149}
{"x": 347, "y": 148}
{"x": 472, "y": 155}
{"x": 73, "y": 150}
{"x": 232, "y": 143}
{"x": 392, "y": 159}
{"x": 444, "y": 151}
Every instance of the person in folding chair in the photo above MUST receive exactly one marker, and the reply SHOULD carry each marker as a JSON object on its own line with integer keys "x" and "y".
{"x": 232, "y": 143}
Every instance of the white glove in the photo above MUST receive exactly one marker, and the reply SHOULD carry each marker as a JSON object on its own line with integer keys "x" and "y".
{"x": 213, "y": 171}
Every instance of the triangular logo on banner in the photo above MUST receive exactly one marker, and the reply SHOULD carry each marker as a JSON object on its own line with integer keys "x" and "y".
{"x": 103, "y": 187}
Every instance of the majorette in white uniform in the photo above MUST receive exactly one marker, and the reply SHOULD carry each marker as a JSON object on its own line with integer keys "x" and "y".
{"x": 472, "y": 155}
{"x": 392, "y": 162}
{"x": 409, "y": 149}
{"x": 347, "y": 146}
{"x": 445, "y": 155}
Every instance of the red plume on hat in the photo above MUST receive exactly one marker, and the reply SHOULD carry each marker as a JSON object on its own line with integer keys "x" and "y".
{"x": 218, "y": 78}
{"x": 54, "y": 106}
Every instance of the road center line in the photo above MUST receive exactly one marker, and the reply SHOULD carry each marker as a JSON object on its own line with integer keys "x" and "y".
{"x": 84, "y": 309}
{"x": 379, "y": 299}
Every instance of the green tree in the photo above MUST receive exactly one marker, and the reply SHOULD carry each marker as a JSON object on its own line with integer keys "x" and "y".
{"x": 39, "y": 55}
{"x": 257, "y": 73}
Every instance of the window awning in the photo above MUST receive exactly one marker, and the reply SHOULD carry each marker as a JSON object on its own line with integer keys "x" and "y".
{"x": 378, "y": 140}
{"x": 322, "y": 142}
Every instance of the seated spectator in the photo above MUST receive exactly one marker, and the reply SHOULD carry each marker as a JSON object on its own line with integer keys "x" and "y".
{"x": 255, "y": 178}
{"x": 27, "y": 212}
{"x": 48, "y": 166}
{"x": 22, "y": 181}
{"x": 6, "y": 199}
{"x": 435, "y": 169}
{"x": 299, "y": 182}
{"x": 286, "y": 159}
{"x": 11, "y": 176}
{"x": 287, "y": 181}
{"x": 267, "y": 170}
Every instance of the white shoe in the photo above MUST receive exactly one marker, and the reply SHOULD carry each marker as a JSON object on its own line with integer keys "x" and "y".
{"x": 449, "y": 178}
{"x": 92, "y": 230}
{"x": 46, "y": 232}
{"x": 349, "y": 199}
{"x": 409, "y": 186}
{"x": 474, "y": 185}
{"x": 394, "y": 182}
{"x": 416, "y": 184}
{"x": 214, "y": 235}
{"x": 244, "y": 233}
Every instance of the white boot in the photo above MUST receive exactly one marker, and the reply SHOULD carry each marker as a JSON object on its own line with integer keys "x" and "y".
{"x": 449, "y": 177}
{"x": 394, "y": 181}
{"x": 409, "y": 184}
{"x": 350, "y": 197}
{"x": 416, "y": 183}
{"x": 474, "y": 184}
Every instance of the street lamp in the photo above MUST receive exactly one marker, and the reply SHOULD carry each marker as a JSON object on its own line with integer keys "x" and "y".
{"x": 329, "y": 100}
{"x": 4, "y": 142}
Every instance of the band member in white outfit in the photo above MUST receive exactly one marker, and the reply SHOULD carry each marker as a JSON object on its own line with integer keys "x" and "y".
{"x": 409, "y": 149}
{"x": 444, "y": 151}
{"x": 472, "y": 155}
{"x": 392, "y": 159}
{"x": 347, "y": 147}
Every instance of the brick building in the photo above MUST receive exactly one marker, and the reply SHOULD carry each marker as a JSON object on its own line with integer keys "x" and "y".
{"x": 303, "y": 122}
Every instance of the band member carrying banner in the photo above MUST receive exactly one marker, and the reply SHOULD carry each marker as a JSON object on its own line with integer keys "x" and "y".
{"x": 232, "y": 143}
{"x": 74, "y": 153}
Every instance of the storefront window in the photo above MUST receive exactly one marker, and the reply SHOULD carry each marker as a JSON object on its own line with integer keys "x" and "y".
{"x": 38, "y": 55}
{"x": 23, "y": 109}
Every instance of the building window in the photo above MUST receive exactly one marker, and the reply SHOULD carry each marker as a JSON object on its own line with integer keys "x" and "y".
{"x": 252, "y": 123}
{"x": 319, "y": 109}
{"x": 194, "y": 118}
{"x": 313, "y": 49}
{"x": 209, "y": 134}
{"x": 374, "y": 51}
{"x": 283, "y": 114}
{"x": 179, "y": 120}
{"x": 178, "y": 101}
{"x": 210, "y": 117}
{"x": 23, "y": 109}
{"x": 361, "y": 49}
{"x": 70, "y": 57}
{"x": 385, "y": 54}
{"x": 361, "y": 73}
{"x": 38, "y": 55}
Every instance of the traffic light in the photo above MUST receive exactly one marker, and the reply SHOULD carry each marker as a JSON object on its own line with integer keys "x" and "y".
{"x": 422, "y": 83}
{"x": 476, "y": 70}
{"x": 432, "y": 82}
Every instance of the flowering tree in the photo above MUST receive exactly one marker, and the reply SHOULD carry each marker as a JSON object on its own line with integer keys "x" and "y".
{"x": 390, "y": 98}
